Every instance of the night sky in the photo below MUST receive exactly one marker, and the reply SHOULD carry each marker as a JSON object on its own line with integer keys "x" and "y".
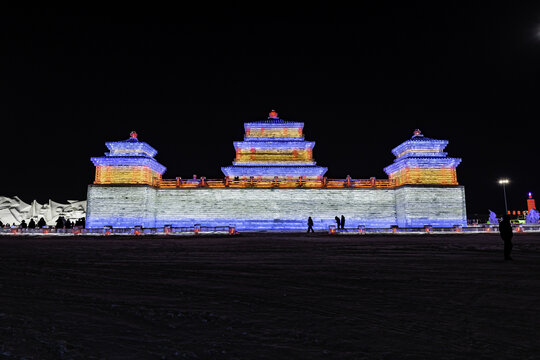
{"x": 186, "y": 79}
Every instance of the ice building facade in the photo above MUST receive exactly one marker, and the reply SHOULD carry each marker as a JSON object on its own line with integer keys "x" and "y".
{"x": 275, "y": 184}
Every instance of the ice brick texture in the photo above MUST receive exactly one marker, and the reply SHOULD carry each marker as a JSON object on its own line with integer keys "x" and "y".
{"x": 275, "y": 209}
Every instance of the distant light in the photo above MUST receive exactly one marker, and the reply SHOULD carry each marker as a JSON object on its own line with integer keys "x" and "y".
{"x": 133, "y": 135}
{"x": 273, "y": 114}
{"x": 530, "y": 195}
{"x": 417, "y": 132}
{"x": 504, "y": 181}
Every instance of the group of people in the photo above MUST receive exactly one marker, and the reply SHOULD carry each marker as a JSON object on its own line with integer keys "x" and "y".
{"x": 61, "y": 223}
{"x": 340, "y": 222}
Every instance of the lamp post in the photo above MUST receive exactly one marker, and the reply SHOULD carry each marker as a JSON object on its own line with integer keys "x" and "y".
{"x": 503, "y": 182}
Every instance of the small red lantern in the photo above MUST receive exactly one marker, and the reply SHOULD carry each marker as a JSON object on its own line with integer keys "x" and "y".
{"x": 273, "y": 114}
{"x": 133, "y": 135}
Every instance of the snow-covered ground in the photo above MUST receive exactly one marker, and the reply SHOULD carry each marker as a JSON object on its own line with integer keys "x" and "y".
{"x": 269, "y": 296}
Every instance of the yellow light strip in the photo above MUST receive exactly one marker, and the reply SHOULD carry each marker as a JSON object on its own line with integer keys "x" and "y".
{"x": 425, "y": 175}
{"x": 125, "y": 175}
{"x": 274, "y": 132}
{"x": 274, "y": 155}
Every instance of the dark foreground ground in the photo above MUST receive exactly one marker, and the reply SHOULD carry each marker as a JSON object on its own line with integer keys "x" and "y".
{"x": 269, "y": 297}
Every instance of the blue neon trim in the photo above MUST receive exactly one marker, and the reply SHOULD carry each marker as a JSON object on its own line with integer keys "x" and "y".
{"x": 271, "y": 171}
{"x": 402, "y": 163}
{"x": 129, "y": 161}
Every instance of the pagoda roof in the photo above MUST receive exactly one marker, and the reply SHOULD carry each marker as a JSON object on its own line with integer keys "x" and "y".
{"x": 419, "y": 141}
{"x": 129, "y": 161}
{"x": 130, "y": 147}
{"x": 273, "y": 164}
{"x": 273, "y": 123}
{"x": 274, "y": 144}
{"x": 422, "y": 162}
{"x": 129, "y": 152}
{"x": 271, "y": 171}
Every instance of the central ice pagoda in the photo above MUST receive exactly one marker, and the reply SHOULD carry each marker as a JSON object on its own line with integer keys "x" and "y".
{"x": 274, "y": 148}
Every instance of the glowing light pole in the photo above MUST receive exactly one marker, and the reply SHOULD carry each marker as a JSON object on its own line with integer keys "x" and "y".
{"x": 503, "y": 182}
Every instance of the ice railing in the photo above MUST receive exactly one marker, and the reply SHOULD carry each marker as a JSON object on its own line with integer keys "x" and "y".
{"x": 227, "y": 182}
{"x": 136, "y": 230}
{"x": 198, "y": 229}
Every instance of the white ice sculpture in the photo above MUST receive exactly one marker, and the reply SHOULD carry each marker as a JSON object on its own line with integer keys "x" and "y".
{"x": 493, "y": 218}
{"x": 532, "y": 217}
{"x": 14, "y": 211}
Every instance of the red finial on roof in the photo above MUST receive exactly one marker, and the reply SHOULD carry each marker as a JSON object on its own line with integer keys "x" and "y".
{"x": 417, "y": 132}
{"x": 133, "y": 135}
{"x": 273, "y": 114}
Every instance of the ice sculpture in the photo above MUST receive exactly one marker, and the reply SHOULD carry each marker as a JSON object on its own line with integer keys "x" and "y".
{"x": 14, "y": 210}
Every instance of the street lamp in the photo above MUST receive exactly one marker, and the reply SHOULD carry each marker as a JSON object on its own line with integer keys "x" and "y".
{"x": 503, "y": 182}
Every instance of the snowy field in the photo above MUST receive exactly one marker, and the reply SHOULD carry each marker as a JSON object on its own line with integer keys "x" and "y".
{"x": 269, "y": 297}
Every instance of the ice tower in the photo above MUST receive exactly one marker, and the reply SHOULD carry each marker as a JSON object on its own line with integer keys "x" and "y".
{"x": 128, "y": 162}
{"x": 274, "y": 148}
{"x": 421, "y": 161}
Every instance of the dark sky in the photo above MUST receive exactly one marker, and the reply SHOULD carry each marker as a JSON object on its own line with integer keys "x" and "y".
{"x": 186, "y": 79}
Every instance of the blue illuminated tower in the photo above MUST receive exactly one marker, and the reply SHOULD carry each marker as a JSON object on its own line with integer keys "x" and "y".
{"x": 128, "y": 162}
{"x": 274, "y": 148}
{"x": 421, "y": 160}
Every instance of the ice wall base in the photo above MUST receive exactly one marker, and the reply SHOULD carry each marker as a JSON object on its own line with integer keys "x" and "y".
{"x": 275, "y": 209}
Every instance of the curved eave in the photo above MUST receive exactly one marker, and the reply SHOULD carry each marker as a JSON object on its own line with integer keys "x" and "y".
{"x": 269, "y": 124}
{"x": 271, "y": 171}
{"x": 423, "y": 155}
{"x": 420, "y": 144}
{"x": 274, "y": 164}
{"x": 274, "y": 144}
{"x": 131, "y": 146}
{"x": 422, "y": 162}
{"x": 268, "y": 138}
{"x": 129, "y": 161}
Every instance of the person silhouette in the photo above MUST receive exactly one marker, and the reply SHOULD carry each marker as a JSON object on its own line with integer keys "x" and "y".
{"x": 505, "y": 229}
{"x": 338, "y": 223}
{"x": 310, "y": 224}
{"x": 342, "y": 222}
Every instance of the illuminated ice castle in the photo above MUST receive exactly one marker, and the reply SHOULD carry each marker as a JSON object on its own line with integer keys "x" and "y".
{"x": 274, "y": 184}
